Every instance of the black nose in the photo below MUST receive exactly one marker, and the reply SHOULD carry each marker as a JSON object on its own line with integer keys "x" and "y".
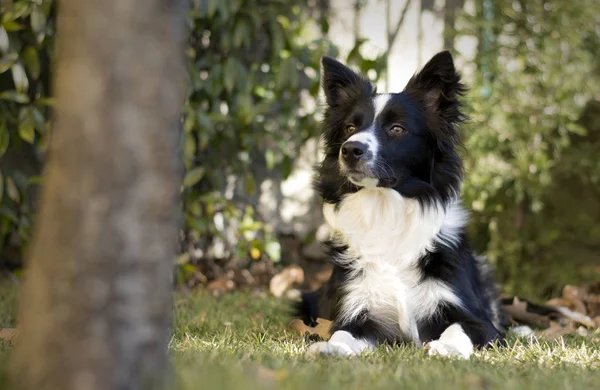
{"x": 352, "y": 151}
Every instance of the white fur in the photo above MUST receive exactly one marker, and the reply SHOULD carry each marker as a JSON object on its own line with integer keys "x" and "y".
{"x": 454, "y": 221}
{"x": 340, "y": 343}
{"x": 452, "y": 342}
{"x": 386, "y": 235}
{"x": 380, "y": 101}
{"x": 369, "y": 182}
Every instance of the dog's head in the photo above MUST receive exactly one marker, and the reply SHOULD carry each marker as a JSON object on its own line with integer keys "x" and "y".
{"x": 405, "y": 141}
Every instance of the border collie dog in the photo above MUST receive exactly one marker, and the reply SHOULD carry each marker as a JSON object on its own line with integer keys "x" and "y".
{"x": 390, "y": 182}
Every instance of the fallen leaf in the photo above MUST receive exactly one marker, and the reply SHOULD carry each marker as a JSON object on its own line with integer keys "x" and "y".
{"x": 244, "y": 278}
{"x": 322, "y": 329}
{"x": 556, "y": 330}
{"x": 577, "y": 317}
{"x": 574, "y": 297}
{"x": 9, "y": 334}
{"x": 292, "y": 276}
{"x": 593, "y": 305}
{"x": 518, "y": 310}
{"x": 219, "y": 287}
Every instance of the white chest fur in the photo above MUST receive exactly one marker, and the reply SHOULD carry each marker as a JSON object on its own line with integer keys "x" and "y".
{"x": 386, "y": 235}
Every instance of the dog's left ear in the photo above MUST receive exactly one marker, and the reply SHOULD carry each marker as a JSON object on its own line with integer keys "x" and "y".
{"x": 439, "y": 85}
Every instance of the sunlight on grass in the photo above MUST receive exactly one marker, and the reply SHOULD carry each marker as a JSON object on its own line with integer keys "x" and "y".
{"x": 241, "y": 341}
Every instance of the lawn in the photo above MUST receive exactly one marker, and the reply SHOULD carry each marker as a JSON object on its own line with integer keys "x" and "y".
{"x": 240, "y": 341}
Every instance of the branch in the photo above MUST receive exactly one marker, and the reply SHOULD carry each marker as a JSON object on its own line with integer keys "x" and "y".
{"x": 392, "y": 36}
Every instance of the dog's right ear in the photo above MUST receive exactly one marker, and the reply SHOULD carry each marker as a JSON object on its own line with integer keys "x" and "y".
{"x": 339, "y": 81}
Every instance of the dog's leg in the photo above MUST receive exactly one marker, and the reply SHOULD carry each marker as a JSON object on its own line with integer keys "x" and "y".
{"x": 452, "y": 342}
{"x": 341, "y": 343}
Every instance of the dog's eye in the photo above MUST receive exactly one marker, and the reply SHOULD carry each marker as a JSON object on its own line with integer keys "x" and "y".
{"x": 350, "y": 129}
{"x": 397, "y": 129}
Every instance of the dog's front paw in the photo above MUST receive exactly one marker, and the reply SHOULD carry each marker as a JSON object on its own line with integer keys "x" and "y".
{"x": 439, "y": 348}
{"x": 341, "y": 343}
{"x": 327, "y": 348}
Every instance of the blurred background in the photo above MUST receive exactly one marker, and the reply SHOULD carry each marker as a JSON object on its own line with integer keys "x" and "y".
{"x": 251, "y": 126}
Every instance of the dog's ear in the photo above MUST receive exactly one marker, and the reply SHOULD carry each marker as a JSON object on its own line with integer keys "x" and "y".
{"x": 340, "y": 83}
{"x": 439, "y": 85}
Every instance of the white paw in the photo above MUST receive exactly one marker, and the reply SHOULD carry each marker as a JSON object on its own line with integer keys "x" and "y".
{"x": 341, "y": 343}
{"x": 439, "y": 348}
{"x": 327, "y": 348}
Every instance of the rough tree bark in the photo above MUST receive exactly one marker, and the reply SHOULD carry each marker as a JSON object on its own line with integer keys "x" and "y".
{"x": 95, "y": 310}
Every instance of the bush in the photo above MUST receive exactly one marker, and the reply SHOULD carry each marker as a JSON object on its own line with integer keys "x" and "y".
{"x": 533, "y": 178}
{"x": 253, "y": 75}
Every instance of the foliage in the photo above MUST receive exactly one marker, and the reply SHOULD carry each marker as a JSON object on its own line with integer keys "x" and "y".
{"x": 250, "y": 62}
{"x": 254, "y": 69}
{"x": 26, "y": 48}
{"x": 253, "y": 75}
{"x": 530, "y": 156}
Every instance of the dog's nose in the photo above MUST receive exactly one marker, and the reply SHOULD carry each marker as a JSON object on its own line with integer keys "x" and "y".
{"x": 352, "y": 151}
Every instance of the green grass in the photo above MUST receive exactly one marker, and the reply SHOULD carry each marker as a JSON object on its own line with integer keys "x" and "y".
{"x": 240, "y": 341}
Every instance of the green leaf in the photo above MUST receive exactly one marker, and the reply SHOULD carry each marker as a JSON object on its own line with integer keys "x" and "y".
{"x": 230, "y": 73}
{"x": 270, "y": 158}
{"x": 4, "y": 43}
{"x": 242, "y": 33}
{"x": 38, "y": 23}
{"x": 27, "y": 131}
{"x": 14, "y": 96}
{"x": 26, "y": 125}
{"x": 20, "y": 77}
{"x": 211, "y": 7}
{"x": 250, "y": 184}
{"x": 32, "y": 61}
{"x": 11, "y": 26}
{"x": 193, "y": 176}
{"x": 19, "y": 9}
{"x": 287, "y": 77}
{"x": 7, "y": 61}
{"x": 287, "y": 166}
{"x": 12, "y": 191}
{"x": 224, "y": 9}
{"x": 37, "y": 179}
{"x": 189, "y": 149}
{"x": 188, "y": 123}
{"x": 204, "y": 122}
{"x": 45, "y": 101}
{"x": 4, "y": 138}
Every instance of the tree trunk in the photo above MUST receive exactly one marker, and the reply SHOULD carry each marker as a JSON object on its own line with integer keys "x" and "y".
{"x": 451, "y": 10}
{"x": 95, "y": 310}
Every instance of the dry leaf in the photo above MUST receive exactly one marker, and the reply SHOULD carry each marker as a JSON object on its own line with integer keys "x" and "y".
{"x": 593, "y": 305}
{"x": 9, "y": 334}
{"x": 219, "y": 287}
{"x": 557, "y": 330}
{"x": 292, "y": 276}
{"x": 577, "y": 317}
{"x": 519, "y": 313}
{"x": 322, "y": 329}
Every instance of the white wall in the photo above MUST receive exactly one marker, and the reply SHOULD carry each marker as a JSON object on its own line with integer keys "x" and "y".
{"x": 420, "y": 37}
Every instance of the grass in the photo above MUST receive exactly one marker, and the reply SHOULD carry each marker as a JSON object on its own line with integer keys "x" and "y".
{"x": 240, "y": 341}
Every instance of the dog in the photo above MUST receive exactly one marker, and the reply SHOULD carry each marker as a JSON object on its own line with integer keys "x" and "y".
{"x": 390, "y": 184}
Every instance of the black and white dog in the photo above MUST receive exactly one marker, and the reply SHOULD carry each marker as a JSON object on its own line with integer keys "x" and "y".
{"x": 390, "y": 182}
